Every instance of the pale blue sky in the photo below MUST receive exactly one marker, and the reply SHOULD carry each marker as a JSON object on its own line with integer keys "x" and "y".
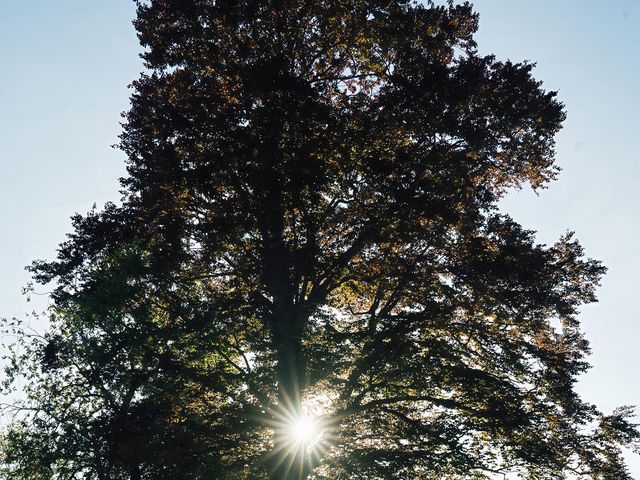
{"x": 587, "y": 50}
{"x": 66, "y": 65}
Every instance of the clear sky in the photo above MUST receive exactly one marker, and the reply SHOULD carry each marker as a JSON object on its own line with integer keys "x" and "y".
{"x": 65, "y": 69}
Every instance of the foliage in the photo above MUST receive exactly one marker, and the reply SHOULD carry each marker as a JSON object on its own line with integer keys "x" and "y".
{"x": 309, "y": 226}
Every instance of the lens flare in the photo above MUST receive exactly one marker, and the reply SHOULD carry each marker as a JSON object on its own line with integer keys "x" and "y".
{"x": 302, "y": 435}
{"x": 304, "y": 430}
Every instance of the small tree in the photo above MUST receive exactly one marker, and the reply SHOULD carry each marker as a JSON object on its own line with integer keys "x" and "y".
{"x": 307, "y": 276}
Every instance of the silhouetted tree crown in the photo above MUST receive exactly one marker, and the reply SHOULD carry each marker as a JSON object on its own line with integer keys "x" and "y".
{"x": 309, "y": 229}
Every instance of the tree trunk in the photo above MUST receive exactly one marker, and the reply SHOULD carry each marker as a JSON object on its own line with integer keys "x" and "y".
{"x": 287, "y": 462}
{"x": 134, "y": 472}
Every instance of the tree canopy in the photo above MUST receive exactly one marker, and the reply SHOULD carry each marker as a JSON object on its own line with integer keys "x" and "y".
{"x": 307, "y": 276}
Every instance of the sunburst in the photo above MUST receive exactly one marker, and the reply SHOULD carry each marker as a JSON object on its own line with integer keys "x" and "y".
{"x": 303, "y": 435}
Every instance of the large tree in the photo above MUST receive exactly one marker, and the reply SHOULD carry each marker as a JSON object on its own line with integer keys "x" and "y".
{"x": 307, "y": 275}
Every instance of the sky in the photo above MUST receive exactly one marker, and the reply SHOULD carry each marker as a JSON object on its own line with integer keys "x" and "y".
{"x": 65, "y": 70}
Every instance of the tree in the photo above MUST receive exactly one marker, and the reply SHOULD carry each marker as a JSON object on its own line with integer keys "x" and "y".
{"x": 307, "y": 276}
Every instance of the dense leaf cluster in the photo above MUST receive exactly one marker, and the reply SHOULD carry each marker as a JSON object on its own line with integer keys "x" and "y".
{"x": 309, "y": 223}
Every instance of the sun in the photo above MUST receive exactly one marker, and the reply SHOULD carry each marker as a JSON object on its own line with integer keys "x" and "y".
{"x": 304, "y": 430}
{"x": 302, "y": 435}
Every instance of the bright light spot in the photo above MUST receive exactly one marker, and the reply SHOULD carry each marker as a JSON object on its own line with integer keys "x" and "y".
{"x": 305, "y": 430}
